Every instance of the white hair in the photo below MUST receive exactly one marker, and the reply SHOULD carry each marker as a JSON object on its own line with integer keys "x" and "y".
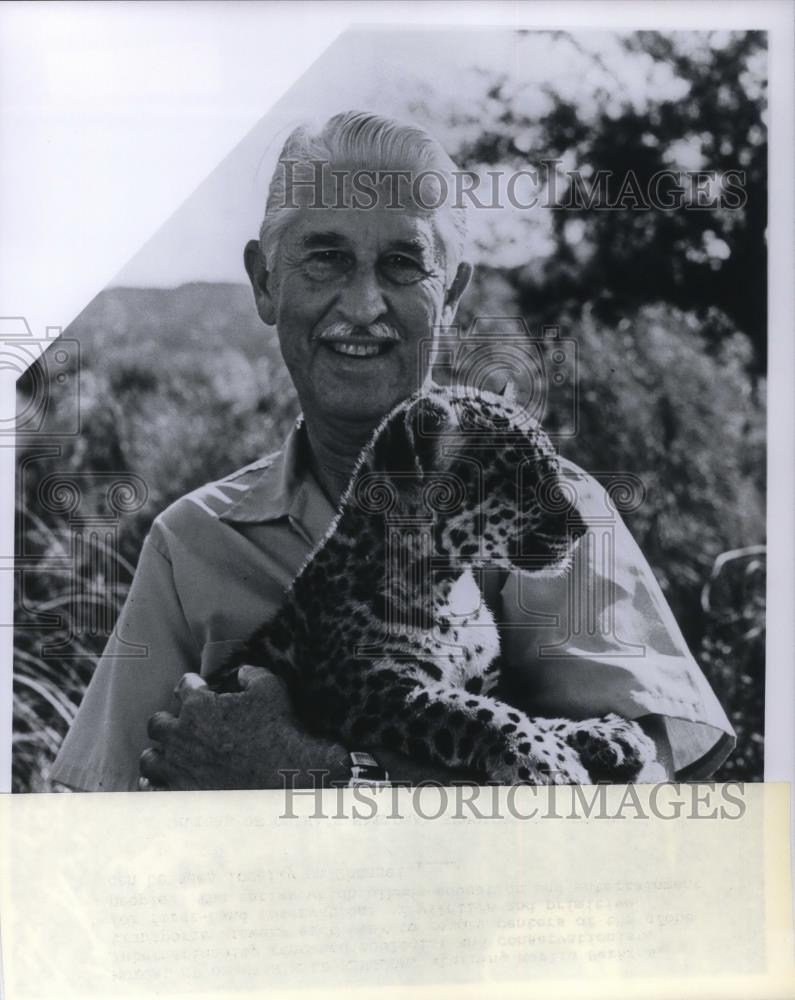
{"x": 361, "y": 139}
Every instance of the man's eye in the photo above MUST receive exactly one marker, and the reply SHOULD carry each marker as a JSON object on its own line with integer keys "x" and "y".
{"x": 325, "y": 264}
{"x": 402, "y": 270}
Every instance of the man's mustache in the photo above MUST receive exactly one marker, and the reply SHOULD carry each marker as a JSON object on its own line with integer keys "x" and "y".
{"x": 342, "y": 331}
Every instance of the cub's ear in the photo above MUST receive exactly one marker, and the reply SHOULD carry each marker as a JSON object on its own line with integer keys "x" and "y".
{"x": 409, "y": 443}
{"x": 392, "y": 449}
{"x": 427, "y": 421}
{"x": 508, "y": 391}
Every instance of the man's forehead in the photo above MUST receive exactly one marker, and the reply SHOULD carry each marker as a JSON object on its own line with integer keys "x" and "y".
{"x": 381, "y": 227}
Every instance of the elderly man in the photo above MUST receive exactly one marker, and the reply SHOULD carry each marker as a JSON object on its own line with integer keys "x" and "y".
{"x": 357, "y": 270}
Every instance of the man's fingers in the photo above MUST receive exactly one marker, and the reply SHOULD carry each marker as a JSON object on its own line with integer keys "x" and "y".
{"x": 161, "y": 725}
{"x": 152, "y": 767}
{"x": 249, "y": 677}
{"x": 189, "y": 683}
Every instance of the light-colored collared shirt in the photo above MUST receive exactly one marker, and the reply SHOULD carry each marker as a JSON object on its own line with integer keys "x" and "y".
{"x": 599, "y": 638}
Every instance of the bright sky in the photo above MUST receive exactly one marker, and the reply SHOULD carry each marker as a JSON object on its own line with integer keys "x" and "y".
{"x": 386, "y": 70}
{"x": 203, "y": 240}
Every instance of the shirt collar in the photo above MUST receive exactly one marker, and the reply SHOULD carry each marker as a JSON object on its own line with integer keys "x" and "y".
{"x": 286, "y": 489}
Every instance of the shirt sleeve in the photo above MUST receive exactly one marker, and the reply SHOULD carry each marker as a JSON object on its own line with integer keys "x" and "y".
{"x": 151, "y": 647}
{"x": 600, "y": 637}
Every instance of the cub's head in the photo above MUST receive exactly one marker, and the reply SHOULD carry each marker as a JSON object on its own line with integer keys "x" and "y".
{"x": 481, "y": 470}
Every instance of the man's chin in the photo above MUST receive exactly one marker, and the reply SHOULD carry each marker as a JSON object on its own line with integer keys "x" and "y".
{"x": 360, "y": 408}
{"x": 364, "y": 391}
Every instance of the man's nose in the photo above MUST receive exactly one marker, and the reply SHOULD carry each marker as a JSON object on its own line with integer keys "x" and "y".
{"x": 362, "y": 301}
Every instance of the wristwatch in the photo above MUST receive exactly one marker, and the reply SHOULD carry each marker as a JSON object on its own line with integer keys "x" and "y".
{"x": 367, "y": 772}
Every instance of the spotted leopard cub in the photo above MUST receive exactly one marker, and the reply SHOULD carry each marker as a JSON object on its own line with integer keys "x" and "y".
{"x": 384, "y": 636}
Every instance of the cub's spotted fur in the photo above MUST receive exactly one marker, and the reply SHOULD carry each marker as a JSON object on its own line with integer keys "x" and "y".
{"x": 384, "y": 635}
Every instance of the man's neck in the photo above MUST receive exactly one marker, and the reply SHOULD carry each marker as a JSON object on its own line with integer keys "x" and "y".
{"x": 334, "y": 447}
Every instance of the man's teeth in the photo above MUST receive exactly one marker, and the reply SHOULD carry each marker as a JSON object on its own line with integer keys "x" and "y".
{"x": 357, "y": 350}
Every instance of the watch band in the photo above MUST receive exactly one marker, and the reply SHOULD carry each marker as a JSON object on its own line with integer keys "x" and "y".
{"x": 366, "y": 771}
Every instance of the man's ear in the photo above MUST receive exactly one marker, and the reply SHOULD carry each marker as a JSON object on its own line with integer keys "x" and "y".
{"x": 261, "y": 281}
{"x": 463, "y": 276}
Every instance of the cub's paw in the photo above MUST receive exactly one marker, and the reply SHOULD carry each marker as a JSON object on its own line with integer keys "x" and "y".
{"x": 536, "y": 761}
{"x": 616, "y": 750}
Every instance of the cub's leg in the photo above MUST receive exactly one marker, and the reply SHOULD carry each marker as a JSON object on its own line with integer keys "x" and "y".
{"x": 433, "y": 721}
{"x": 611, "y": 748}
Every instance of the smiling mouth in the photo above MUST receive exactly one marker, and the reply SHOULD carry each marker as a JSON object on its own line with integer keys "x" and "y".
{"x": 358, "y": 350}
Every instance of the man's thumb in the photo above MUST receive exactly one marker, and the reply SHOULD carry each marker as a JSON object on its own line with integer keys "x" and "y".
{"x": 250, "y": 678}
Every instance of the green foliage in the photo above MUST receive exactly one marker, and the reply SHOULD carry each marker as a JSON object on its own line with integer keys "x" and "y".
{"x": 733, "y": 653}
{"x": 655, "y": 402}
{"x": 623, "y": 109}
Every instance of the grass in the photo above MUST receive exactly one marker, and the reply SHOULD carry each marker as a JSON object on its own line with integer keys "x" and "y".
{"x": 48, "y": 687}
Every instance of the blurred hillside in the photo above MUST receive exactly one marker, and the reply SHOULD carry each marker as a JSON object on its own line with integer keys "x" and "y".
{"x": 198, "y": 318}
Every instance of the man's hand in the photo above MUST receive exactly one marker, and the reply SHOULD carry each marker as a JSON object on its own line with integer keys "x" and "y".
{"x": 246, "y": 740}
{"x": 238, "y": 740}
